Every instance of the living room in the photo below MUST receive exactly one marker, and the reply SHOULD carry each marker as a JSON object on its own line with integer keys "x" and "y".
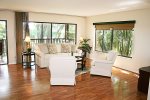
{"x": 86, "y": 29}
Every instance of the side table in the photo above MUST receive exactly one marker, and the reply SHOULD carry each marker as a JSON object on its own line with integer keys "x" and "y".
{"x": 143, "y": 81}
{"x": 82, "y": 60}
{"x": 28, "y": 59}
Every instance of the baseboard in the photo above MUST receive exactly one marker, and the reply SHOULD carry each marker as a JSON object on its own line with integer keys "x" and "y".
{"x": 126, "y": 70}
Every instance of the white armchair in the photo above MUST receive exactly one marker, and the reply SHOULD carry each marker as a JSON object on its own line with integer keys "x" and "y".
{"x": 104, "y": 67}
{"x": 62, "y": 70}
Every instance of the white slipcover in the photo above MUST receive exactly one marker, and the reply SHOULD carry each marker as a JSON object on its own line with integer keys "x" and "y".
{"x": 42, "y": 55}
{"x": 104, "y": 67}
{"x": 62, "y": 70}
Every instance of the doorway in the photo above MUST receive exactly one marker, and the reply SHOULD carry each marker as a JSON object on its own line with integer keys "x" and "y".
{"x": 3, "y": 42}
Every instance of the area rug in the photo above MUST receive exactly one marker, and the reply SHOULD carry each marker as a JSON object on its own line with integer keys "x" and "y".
{"x": 79, "y": 71}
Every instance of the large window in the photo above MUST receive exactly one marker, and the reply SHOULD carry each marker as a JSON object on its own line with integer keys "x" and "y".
{"x": 119, "y": 38}
{"x": 44, "y": 32}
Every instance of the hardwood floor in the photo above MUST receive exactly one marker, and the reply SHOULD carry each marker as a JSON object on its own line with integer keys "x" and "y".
{"x": 17, "y": 83}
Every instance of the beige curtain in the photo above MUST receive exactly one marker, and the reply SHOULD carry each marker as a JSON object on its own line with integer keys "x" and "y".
{"x": 20, "y": 18}
{"x": 115, "y": 26}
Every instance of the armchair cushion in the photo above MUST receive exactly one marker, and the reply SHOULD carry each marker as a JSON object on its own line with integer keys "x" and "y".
{"x": 111, "y": 56}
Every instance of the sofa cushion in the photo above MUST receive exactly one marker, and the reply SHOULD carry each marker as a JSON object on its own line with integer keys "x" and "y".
{"x": 73, "y": 48}
{"x": 65, "y": 48}
{"x": 43, "y": 48}
{"x": 58, "y": 48}
{"x": 52, "y": 48}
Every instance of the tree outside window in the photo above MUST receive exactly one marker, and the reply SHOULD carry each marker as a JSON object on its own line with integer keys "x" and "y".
{"x": 46, "y": 32}
{"x": 117, "y": 36}
{"x": 118, "y": 40}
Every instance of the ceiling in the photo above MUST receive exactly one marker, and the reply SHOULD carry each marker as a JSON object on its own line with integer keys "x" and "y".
{"x": 74, "y": 7}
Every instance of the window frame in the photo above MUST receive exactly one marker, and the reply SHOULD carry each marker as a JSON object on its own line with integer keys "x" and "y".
{"x": 75, "y": 40}
{"x": 6, "y": 42}
{"x": 112, "y": 38}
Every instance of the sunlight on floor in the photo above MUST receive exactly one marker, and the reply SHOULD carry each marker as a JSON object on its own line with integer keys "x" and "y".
{"x": 125, "y": 72}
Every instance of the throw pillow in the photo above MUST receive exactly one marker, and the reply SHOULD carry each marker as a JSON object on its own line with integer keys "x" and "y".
{"x": 52, "y": 48}
{"x": 43, "y": 48}
{"x": 65, "y": 48}
{"x": 73, "y": 48}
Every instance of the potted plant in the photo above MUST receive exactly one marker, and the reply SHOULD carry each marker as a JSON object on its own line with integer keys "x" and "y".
{"x": 84, "y": 46}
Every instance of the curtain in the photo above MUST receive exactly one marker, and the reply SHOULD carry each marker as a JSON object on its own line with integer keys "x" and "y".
{"x": 119, "y": 25}
{"x": 20, "y": 18}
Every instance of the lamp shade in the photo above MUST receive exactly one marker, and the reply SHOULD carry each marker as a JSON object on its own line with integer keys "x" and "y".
{"x": 81, "y": 39}
{"x": 27, "y": 39}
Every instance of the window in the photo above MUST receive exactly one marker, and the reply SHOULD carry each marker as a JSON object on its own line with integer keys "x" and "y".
{"x": 71, "y": 33}
{"x": 46, "y": 32}
{"x": 3, "y": 42}
{"x": 58, "y": 33}
{"x": 116, "y": 36}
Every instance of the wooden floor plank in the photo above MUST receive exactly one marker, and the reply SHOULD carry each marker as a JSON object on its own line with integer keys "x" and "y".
{"x": 17, "y": 83}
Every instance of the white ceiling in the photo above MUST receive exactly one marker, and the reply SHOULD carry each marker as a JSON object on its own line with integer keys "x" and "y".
{"x": 74, "y": 7}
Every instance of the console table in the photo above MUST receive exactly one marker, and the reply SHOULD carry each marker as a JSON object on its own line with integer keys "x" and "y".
{"x": 143, "y": 81}
{"x": 28, "y": 59}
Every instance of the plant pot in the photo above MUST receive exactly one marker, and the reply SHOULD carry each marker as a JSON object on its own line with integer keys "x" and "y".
{"x": 29, "y": 50}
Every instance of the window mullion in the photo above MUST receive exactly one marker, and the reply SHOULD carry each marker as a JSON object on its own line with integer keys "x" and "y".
{"x": 103, "y": 42}
{"x": 51, "y": 32}
{"x": 112, "y": 36}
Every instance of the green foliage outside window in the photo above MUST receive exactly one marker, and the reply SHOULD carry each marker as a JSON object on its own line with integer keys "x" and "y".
{"x": 122, "y": 42}
{"x": 118, "y": 40}
{"x": 44, "y": 32}
{"x": 2, "y": 30}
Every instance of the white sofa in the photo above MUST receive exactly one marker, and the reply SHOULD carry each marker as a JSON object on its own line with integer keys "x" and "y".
{"x": 43, "y": 55}
{"x": 62, "y": 70}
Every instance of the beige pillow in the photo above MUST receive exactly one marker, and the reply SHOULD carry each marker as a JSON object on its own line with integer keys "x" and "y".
{"x": 73, "y": 48}
{"x": 65, "y": 48}
{"x": 52, "y": 48}
{"x": 43, "y": 48}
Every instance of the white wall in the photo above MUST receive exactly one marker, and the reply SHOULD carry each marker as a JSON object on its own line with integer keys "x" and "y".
{"x": 44, "y": 17}
{"x": 39, "y": 17}
{"x": 141, "y": 51}
{"x": 9, "y": 16}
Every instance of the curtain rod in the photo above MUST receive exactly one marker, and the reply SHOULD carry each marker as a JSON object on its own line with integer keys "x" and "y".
{"x": 115, "y": 22}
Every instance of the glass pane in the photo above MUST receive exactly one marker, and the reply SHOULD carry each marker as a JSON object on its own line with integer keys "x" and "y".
{"x": 3, "y": 43}
{"x": 122, "y": 42}
{"x": 2, "y": 30}
{"x": 71, "y": 33}
{"x": 99, "y": 40}
{"x": 107, "y": 40}
{"x": 103, "y": 40}
{"x": 35, "y": 30}
{"x": 58, "y": 33}
{"x": 46, "y": 31}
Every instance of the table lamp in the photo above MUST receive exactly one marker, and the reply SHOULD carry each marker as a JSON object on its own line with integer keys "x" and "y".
{"x": 27, "y": 40}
